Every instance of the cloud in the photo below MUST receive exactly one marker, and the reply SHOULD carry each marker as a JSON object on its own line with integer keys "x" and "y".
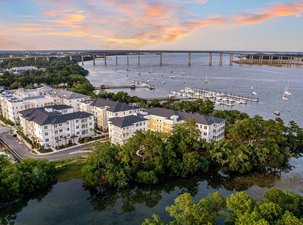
{"x": 132, "y": 23}
{"x": 281, "y": 10}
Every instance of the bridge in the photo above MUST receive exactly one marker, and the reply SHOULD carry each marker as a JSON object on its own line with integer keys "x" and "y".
{"x": 239, "y": 57}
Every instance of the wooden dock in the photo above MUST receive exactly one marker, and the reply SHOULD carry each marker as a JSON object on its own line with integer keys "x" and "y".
{"x": 131, "y": 86}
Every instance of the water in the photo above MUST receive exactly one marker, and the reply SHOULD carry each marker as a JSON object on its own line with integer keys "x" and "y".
{"x": 70, "y": 203}
{"x": 268, "y": 82}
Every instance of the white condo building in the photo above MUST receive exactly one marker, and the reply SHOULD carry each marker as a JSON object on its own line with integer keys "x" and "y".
{"x": 56, "y": 126}
{"x": 121, "y": 129}
{"x": 104, "y": 109}
{"x": 13, "y": 101}
{"x": 65, "y": 97}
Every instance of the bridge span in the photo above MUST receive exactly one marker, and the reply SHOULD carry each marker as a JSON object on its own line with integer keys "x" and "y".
{"x": 238, "y": 57}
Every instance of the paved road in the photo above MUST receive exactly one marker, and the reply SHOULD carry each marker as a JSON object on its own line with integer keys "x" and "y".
{"x": 21, "y": 151}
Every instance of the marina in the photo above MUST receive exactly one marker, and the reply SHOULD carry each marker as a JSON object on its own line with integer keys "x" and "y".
{"x": 217, "y": 97}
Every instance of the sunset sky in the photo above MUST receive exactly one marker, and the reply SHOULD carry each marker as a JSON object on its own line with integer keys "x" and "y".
{"x": 152, "y": 24}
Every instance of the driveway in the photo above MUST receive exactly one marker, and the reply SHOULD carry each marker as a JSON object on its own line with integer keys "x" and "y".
{"x": 21, "y": 151}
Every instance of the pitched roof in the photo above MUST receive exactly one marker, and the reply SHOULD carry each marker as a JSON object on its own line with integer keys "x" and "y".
{"x": 42, "y": 117}
{"x": 168, "y": 113}
{"x": 112, "y": 105}
{"x": 126, "y": 121}
{"x": 58, "y": 107}
{"x": 68, "y": 94}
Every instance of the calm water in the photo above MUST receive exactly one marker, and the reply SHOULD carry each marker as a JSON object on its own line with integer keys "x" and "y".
{"x": 269, "y": 82}
{"x": 70, "y": 203}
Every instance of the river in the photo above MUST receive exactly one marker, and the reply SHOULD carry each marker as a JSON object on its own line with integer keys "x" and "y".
{"x": 268, "y": 82}
{"x": 71, "y": 203}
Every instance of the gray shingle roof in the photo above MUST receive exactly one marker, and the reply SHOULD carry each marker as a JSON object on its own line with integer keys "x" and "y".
{"x": 68, "y": 94}
{"x": 168, "y": 113}
{"x": 126, "y": 121}
{"x": 42, "y": 117}
{"x": 112, "y": 105}
{"x": 58, "y": 107}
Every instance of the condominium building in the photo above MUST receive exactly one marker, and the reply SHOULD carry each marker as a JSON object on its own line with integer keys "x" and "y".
{"x": 122, "y": 129}
{"x": 163, "y": 120}
{"x": 68, "y": 98}
{"x": 13, "y": 101}
{"x": 56, "y": 126}
{"x": 104, "y": 109}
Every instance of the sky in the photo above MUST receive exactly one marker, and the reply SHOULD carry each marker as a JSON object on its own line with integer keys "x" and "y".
{"x": 268, "y": 25}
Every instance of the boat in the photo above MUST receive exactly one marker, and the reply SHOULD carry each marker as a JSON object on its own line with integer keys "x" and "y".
{"x": 252, "y": 88}
{"x": 163, "y": 82}
{"x": 206, "y": 80}
{"x": 284, "y": 98}
{"x": 172, "y": 77}
{"x": 183, "y": 73}
{"x": 277, "y": 113}
{"x": 254, "y": 93}
{"x": 287, "y": 92}
{"x": 147, "y": 81}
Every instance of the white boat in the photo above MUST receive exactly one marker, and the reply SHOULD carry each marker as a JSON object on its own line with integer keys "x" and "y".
{"x": 254, "y": 93}
{"x": 163, "y": 82}
{"x": 172, "y": 77}
{"x": 252, "y": 88}
{"x": 183, "y": 73}
{"x": 287, "y": 92}
{"x": 284, "y": 98}
{"x": 206, "y": 80}
{"x": 277, "y": 113}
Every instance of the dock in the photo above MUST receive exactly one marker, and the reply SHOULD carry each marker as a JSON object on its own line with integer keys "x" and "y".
{"x": 132, "y": 86}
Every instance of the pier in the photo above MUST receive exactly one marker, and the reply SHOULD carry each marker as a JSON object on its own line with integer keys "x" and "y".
{"x": 133, "y": 86}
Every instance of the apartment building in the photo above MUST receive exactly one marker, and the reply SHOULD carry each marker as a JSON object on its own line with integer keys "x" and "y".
{"x": 56, "y": 126}
{"x": 65, "y": 97}
{"x": 104, "y": 109}
{"x": 14, "y": 101}
{"x": 122, "y": 129}
{"x": 163, "y": 120}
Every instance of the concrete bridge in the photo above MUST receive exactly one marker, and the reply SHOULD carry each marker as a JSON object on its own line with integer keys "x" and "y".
{"x": 239, "y": 57}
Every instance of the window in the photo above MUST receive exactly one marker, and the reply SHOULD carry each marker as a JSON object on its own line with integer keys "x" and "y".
{"x": 205, "y": 134}
{"x": 46, "y": 133}
{"x": 46, "y": 140}
{"x": 45, "y": 127}
{"x": 205, "y": 127}
{"x": 67, "y": 129}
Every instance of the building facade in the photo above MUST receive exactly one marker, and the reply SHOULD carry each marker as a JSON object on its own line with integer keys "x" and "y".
{"x": 56, "y": 126}
{"x": 65, "y": 97}
{"x": 163, "y": 120}
{"x": 14, "y": 101}
{"x": 121, "y": 129}
{"x": 104, "y": 109}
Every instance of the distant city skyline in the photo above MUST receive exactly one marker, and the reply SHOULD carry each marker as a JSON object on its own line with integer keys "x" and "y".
{"x": 272, "y": 25}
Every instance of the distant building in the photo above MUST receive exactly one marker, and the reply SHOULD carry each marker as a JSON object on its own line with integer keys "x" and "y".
{"x": 2, "y": 71}
{"x": 68, "y": 98}
{"x": 13, "y": 101}
{"x": 56, "y": 126}
{"x": 21, "y": 69}
{"x": 104, "y": 109}
{"x": 163, "y": 120}
{"x": 123, "y": 128}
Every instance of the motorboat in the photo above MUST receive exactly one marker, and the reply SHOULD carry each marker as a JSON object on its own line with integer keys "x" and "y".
{"x": 254, "y": 93}
{"x": 284, "y": 98}
{"x": 287, "y": 92}
{"x": 277, "y": 113}
{"x": 163, "y": 82}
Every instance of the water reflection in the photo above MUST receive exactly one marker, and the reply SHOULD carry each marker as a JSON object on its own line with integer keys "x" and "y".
{"x": 73, "y": 202}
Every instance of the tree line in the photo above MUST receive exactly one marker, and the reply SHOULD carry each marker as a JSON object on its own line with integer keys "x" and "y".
{"x": 251, "y": 144}
{"x": 23, "y": 179}
{"x": 277, "y": 208}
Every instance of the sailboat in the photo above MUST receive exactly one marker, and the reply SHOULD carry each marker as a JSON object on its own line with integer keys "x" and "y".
{"x": 287, "y": 92}
{"x": 206, "y": 80}
{"x": 284, "y": 98}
